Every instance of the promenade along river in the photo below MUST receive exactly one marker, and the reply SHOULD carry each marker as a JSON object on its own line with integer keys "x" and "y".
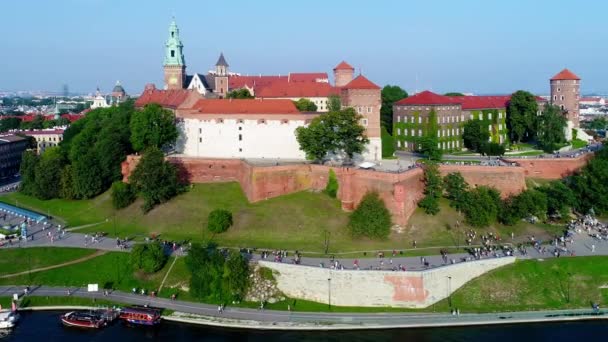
{"x": 45, "y": 326}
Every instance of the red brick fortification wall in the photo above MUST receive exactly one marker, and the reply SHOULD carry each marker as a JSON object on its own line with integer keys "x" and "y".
{"x": 507, "y": 180}
{"x": 552, "y": 168}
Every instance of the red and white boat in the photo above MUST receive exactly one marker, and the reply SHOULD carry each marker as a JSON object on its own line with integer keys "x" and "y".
{"x": 83, "y": 320}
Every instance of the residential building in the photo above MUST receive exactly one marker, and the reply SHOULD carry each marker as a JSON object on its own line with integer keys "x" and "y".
{"x": 11, "y": 149}
{"x": 45, "y": 138}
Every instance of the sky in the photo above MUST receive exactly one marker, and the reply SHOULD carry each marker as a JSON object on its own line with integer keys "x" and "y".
{"x": 476, "y": 46}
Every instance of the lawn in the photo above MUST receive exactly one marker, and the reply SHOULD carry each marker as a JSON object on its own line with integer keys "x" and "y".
{"x": 14, "y": 260}
{"x": 537, "y": 284}
{"x": 526, "y": 154}
{"x": 299, "y": 221}
{"x": 577, "y": 143}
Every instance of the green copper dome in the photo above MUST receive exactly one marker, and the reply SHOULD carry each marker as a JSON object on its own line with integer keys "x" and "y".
{"x": 173, "y": 48}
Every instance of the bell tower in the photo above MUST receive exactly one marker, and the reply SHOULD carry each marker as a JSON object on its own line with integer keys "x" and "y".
{"x": 221, "y": 76}
{"x": 174, "y": 64}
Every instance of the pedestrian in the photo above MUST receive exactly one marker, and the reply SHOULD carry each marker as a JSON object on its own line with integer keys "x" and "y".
{"x": 219, "y": 309}
{"x": 592, "y": 248}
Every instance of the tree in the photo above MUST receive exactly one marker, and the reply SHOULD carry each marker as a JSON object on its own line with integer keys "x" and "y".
{"x": 334, "y": 132}
{"x": 334, "y": 103}
{"x": 239, "y": 94}
{"x": 331, "y": 189}
{"x": 432, "y": 189}
{"x": 148, "y": 257}
{"x": 492, "y": 149}
{"x": 48, "y": 174}
{"x": 371, "y": 218}
{"x": 428, "y": 146}
{"x": 29, "y": 164}
{"x": 456, "y": 189}
{"x": 122, "y": 195}
{"x": 388, "y": 143}
{"x": 219, "y": 221}
{"x": 521, "y": 116}
{"x": 85, "y": 176}
{"x": 482, "y": 206}
{"x": 390, "y": 94}
{"x": 66, "y": 184}
{"x": 560, "y": 198}
{"x": 453, "y": 94}
{"x": 9, "y": 124}
{"x": 475, "y": 135}
{"x": 305, "y": 105}
{"x": 153, "y": 126}
{"x": 236, "y": 275}
{"x": 551, "y": 124}
{"x": 155, "y": 179}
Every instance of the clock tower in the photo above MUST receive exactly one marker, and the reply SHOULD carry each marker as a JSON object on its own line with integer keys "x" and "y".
{"x": 174, "y": 64}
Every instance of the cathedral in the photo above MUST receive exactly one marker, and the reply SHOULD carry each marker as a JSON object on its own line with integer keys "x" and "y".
{"x": 213, "y": 126}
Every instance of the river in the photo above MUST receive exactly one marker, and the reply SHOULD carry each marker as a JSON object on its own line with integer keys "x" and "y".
{"x": 45, "y": 326}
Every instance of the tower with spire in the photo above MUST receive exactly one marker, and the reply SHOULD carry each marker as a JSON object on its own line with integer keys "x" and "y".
{"x": 221, "y": 76}
{"x": 174, "y": 63}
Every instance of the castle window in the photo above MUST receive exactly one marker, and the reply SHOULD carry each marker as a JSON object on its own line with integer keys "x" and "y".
{"x": 200, "y": 131}
{"x": 554, "y": 97}
{"x": 284, "y": 121}
{"x": 399, "y": 143}
{"x": 419, "y": 132}
{"x": 489, "y": 116}
{"x": 398, "y": 131}
{"x": 240, "y": 128}
{"x": 364, "y": 122}
{"x": 240, "y": 150}
{"x": 561, "y": 97}
{"x": 413, "y": 133}
{"x": 398, "y": 118}
{"x": 172, "y": 53}
{"x": 172, "y": 34}
{"x": 369, "y": 109}
{"x": 419, "y": 119}
{"x": 240, "y": 137}
{"x": 405, "y": 132}
{"x": 559, "y": 89}
{"x": 200, "y": 140}
{"x": 239, "y": 121}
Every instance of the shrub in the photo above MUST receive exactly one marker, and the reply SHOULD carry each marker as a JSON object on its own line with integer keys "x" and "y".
{"x": 331, "y": 188}
{"x": 371, "y": 218}
{"x": 219, "y": 221}
{"x": 122, "y": 195}
{"x": 388, "y": 143}
{"x": 149, "y": 257}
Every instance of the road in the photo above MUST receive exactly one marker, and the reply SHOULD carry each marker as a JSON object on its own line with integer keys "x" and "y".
{"x": 269, "y": 319}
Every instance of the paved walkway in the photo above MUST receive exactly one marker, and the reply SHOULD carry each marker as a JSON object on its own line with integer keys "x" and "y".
{"x": 269, "y": 319}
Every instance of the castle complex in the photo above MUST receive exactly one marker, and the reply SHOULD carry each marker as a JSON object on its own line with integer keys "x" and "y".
{"x": 211, "y": 125}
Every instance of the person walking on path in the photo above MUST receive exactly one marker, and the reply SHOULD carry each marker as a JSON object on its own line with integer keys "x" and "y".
{"x": 592, "y": 248}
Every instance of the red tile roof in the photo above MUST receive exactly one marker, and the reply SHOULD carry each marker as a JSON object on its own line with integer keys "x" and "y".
{"x": 360, "y": 82}
{"x": 72, "y": 117}
{"x": 307, "y": 76}
{"x": 236, "y": 82}
{"x": 344, "y": 66}
{"x": 166, "y": 98}
{"x": 245, "y": 106}
{"x": 297, "y": 89}
{"x": 565, "y": 75}
{"x": 43, "y": 132}
{"x": 429, "y": 98}
{"x": 484, "y": 102}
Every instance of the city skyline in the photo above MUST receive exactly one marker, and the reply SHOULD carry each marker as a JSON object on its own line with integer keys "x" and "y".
{"x": 102, "y": 41}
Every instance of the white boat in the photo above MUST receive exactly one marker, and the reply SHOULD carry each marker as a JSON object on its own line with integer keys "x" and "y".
{"x": 8, "y": 319}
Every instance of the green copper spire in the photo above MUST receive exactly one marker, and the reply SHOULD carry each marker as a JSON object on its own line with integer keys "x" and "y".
{"x": 174, "y": 46}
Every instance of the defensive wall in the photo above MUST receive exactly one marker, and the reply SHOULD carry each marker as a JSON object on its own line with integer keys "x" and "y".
{"x": 409, "y": 289}
{"x": 400, "y": 191}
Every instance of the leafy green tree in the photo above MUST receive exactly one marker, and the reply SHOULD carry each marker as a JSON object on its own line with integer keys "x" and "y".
{"x": 521, "y": 116}
{"x": 390, "y": 94}
{"x": 551, "y": 124}
{"x": 236, "y": 275}
{"x": 482, "y": 206}
{"x": 331, "y": 189}
{"x": 590, "y": 185}
{"x": 85, "y": 176}
{"x": 239, "y": 94}
{"x": 155, "y": 179}
{"x": 219, "y": 221}
{"x": 48, "y": 173}
{"x": 388, "y": 143}
{"x": 371, "y": 218}
{"x": 560, "y": 198}
{"x": 29, "y": 164}
{"x": 492, "y": 149}
{"x": 122, "y": 195}
{"x": 456, "y": 189}
{"x": 148, "y": 257}
{"x": 433, "y": 189}
{"x": 334, "y": 103}
{"x": 9, "y": 124}
{"x": 153, "y": 126}
{"x": 333, "y": 132}
{"x": 66, "y": 185}
{"x": 428, "y": 146}
{"x": 453, "y": 94}
{"x": 305, "y": 105}
{"x": 475, "y": 135}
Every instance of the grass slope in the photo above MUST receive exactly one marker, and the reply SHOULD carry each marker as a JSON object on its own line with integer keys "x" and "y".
{"x": 16, "y": 260}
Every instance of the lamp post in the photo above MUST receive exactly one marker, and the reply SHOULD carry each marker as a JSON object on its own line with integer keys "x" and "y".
{"x": 449, "y": 291}
{"x": 329, "y": 292}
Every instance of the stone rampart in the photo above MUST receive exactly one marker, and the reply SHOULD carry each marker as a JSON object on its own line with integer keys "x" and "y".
{"x": 507, "y": 179}
{"x": 410, "y": 289}
{"x": 551, "y": 168}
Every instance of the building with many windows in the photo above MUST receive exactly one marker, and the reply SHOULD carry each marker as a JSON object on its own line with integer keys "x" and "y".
{"x": 11, "y": 148}
{"x": 45, "y": 138}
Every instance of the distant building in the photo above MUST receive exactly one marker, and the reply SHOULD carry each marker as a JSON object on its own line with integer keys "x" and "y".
{"x": 565, "y": 93}
{"x": 45, "y": 138}
{"x": 592, "y": 101}
{"x": 99, "y": 101}
{"x": 11, "y": 149}
{"x": 117, "y": 96}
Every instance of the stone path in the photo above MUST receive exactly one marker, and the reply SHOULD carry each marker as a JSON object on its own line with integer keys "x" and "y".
{"x": 72, "y": 262}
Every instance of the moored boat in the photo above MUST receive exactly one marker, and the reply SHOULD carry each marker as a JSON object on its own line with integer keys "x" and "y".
{"x": 141, "y": 315}
{"x": 83, "y": 320}
{"x": 8, "y": 319}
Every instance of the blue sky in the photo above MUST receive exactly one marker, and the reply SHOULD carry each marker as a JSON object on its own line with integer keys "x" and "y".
{"x": 481, "y": 46}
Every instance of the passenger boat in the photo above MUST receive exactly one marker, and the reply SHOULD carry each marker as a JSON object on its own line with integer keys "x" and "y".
{"x": 8, "y": 319}
{"x": 83, "y": 320}
{"x": 141, "y": 315}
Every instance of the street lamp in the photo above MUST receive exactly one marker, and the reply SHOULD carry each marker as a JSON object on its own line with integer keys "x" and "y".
{"x": 449, "y": 291}
{"x": 329, "y": 292}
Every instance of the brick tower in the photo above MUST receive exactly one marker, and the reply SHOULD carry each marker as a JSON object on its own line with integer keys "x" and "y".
{"x": 343, "y": 74}
{"x": 565, "y": 93}
{"x": 364, "y": 96}
{"x": 174, "y": 64}
{"x": 221, "y": 76}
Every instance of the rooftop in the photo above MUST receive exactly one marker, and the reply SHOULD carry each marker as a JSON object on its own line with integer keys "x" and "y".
{"x": 565, "y": 75}
{"x": 361, "y": 82}
{"x": 344, "y": 66}
{"x": 245, "y": 106}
